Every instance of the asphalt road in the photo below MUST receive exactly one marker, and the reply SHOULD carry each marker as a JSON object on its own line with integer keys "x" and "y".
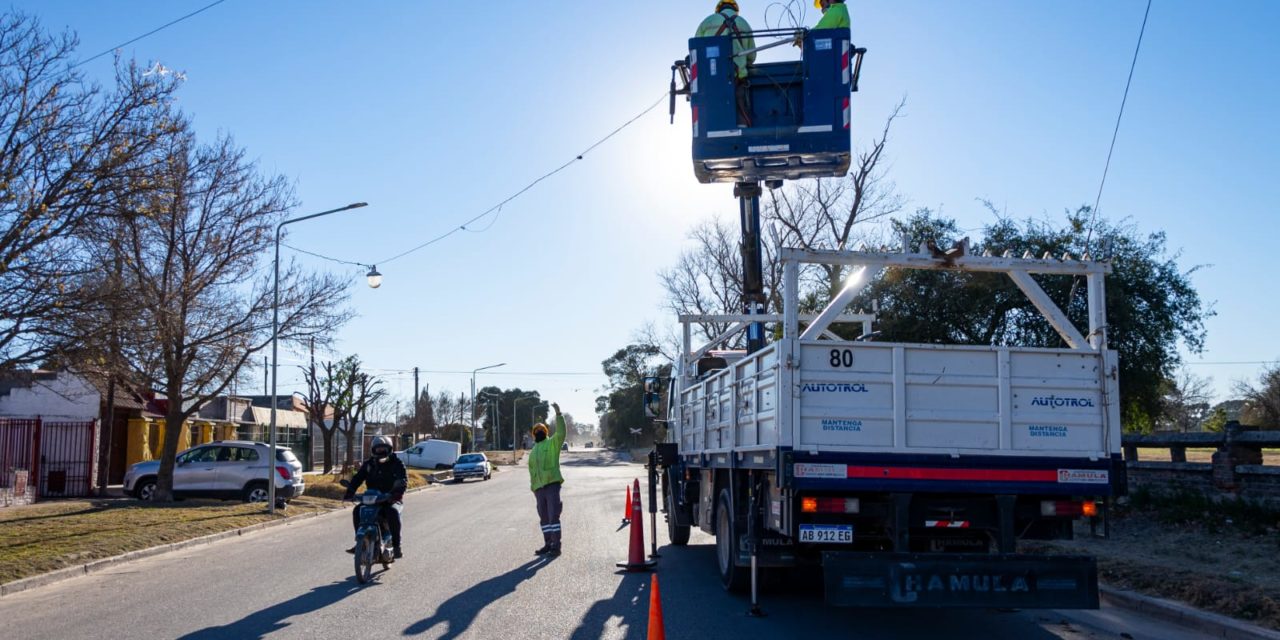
{"x": 469, "y": 572}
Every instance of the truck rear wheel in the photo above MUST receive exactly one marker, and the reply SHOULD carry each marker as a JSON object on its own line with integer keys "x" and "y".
{"x": 678, "y": 534}
{"x": 734, "y": 578}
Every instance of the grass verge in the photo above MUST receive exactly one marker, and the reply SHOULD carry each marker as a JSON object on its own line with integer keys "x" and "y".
{"x": 48, "y": 536}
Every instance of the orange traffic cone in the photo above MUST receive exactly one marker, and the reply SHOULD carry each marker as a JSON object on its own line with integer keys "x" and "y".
{"x": 656, "y": 629}
{"x": 635, "y": 555}
{"x": 626, "y": 514}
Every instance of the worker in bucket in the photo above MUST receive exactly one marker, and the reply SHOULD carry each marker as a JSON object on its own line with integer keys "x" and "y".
{"x": 545, "y": 481}
{"x": 834, "y": 14}
{"x": 726, "y": 21}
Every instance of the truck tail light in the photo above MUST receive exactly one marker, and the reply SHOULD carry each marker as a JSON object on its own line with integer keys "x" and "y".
{"x": 284, "y": 473}
{"x": 829, "y": 505}
{"x": 1069, "y": 509}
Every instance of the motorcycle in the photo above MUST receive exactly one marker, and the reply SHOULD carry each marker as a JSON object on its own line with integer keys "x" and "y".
{"x": 373, "y": 536}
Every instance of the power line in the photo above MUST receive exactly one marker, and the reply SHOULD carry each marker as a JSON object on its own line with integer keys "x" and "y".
{"x": 498, "y": 207}
{"x": 1116, "y": 132}
{"x": 498, "y": 373}
{"x": 1232, "y": 363}
{"x": 323, "y": 257}
{"x": 153, "y": 31}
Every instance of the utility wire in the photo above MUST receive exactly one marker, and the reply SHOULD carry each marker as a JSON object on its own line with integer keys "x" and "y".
{"x": 323, "y": 257}
{"x": 1115, "y": 133}
{"x": 153, "y": 31}
{"x": 498, "y": 207}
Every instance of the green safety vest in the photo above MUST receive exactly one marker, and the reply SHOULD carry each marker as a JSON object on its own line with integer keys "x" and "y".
{"x": 837, "y": 16}
{"x": 728, "y": 22}
{"x": 544, "y": 458}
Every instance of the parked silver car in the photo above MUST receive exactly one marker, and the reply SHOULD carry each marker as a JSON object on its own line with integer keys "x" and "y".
{"x": 227, "y": 469}
{"x": 472, "y": 465}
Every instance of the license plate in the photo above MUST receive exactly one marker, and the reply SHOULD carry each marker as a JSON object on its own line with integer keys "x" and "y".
{"x": 832, "y": 533}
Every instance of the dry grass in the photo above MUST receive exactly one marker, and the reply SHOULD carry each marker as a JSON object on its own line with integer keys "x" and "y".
{"x": 1218, "y": 558}
{"x": 44, "y": 537}
{"x": 1270, "y": 457}
{"x": 504, "y": 457}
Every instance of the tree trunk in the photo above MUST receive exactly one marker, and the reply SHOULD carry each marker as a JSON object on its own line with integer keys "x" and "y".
{"x": 173, "y": 425}
{"x": 327, "y": 436}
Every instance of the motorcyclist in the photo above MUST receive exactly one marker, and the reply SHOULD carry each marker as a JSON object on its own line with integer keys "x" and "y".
{"x": 384, "y": 472}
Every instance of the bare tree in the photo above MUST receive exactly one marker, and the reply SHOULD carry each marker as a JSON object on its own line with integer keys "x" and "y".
{"x": 809, "y": 214}
{"x": 196, "y": 260}
{"x": 1262, "y": 400}
{"x": 323, "y": 389}
{"x": 359, "y": 392}
{"x": 825, "y": 213}
{"x": 69, "y": 150}
{"x": 1187, "y": 401}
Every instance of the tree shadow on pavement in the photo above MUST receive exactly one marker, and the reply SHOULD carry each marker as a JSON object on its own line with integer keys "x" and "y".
{"x": 461, "y": 610}
{"x": 630, "y": 602}
{"x": 260, "y": 623}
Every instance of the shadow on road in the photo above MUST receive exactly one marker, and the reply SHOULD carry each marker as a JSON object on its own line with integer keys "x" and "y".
{"x": 461, "y": 610}
{"x": 630, "y": 603}
{"x": 593, "y": 459}
{"x": 260, "y": 623}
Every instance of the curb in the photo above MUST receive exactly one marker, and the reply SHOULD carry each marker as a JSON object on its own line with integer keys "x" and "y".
{"x": 1214, "y": 625}
{"x": 33, "y": 582}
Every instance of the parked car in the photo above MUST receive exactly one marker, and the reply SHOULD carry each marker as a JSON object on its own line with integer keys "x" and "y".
{"x": 431, "y": 454}
{"x": 472, "y": 465}
{"x": 564, "y": 446}
{"x": 590, "y": 445}
{"x": 227, "y": 470}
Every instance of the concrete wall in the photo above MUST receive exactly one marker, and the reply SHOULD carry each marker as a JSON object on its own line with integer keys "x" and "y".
{"x": 63, "y": 397}
{"x": 1251, "y": 482}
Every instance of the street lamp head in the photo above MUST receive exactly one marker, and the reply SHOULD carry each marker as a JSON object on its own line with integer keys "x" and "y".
{"x": 375, "y": 278}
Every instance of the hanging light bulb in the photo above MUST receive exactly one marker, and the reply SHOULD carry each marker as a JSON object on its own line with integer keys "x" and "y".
{"x": 375, "y": 278}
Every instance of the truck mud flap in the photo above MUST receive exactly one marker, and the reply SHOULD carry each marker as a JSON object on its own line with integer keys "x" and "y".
{"x": 960, "y": 580}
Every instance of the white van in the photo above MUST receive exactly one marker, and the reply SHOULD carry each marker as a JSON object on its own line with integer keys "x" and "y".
{"x": 431, "y": 454}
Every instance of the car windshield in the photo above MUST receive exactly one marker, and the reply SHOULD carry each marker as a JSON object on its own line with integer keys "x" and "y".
{"x": 471, "y": 457}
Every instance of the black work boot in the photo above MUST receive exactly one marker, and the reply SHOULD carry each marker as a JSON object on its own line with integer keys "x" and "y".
{"x": 396, "y": 553}
{"x": 546, "y": 548}
{"x": 554, "y": 551}
{"x": 352, "y": 550}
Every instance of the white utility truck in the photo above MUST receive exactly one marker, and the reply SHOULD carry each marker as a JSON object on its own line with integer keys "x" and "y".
{"x": 907, "y": 472}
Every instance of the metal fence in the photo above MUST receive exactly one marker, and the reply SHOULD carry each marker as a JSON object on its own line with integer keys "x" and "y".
{"x": 45, "y": 459}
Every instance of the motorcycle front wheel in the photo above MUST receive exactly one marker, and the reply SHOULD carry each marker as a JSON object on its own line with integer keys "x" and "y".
{"x": 364, "y": 559}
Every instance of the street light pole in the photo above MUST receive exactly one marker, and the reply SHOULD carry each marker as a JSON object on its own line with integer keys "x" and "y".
{"x": 275, "y": 347}
{"x": 473, "y": 396}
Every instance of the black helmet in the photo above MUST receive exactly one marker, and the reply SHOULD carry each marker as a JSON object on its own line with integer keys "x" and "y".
{"x": 381, "y": 447}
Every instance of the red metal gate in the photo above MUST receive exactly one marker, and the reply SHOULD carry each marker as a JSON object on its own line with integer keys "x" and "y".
{"x": 57, "y": 457}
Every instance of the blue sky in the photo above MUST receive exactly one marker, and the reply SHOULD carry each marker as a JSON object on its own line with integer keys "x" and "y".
{"x": 434, "y": 111}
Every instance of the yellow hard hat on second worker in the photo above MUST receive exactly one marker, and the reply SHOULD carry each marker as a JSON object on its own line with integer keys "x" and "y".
{"x": 539, "y": 427}
{"x": 817, "y": 4}
{"x": 726, "y": 3}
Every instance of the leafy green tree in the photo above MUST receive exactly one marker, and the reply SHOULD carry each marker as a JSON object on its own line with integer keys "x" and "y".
{"x": 1152, "y": 307}
{"x": 457, "y": 432}
{"x": 623, "y": 421}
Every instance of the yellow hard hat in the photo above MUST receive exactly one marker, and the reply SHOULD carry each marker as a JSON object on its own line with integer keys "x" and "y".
{"x": 726, "y": 3}
{"x": 817, "y": 4}
{"x": 538, "y": 427}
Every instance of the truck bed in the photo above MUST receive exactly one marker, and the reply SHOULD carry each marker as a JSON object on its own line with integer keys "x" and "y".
{"x": 890, "y": 403}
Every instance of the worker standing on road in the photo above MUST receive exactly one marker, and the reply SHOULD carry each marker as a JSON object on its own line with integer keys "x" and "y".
{"x": 726, "y": 21}
{"x": 545, "y": 481}
{"x": 834, "y": 14}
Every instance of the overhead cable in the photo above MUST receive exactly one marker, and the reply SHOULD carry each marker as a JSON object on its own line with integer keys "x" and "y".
{"x": 153, "y": 31}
